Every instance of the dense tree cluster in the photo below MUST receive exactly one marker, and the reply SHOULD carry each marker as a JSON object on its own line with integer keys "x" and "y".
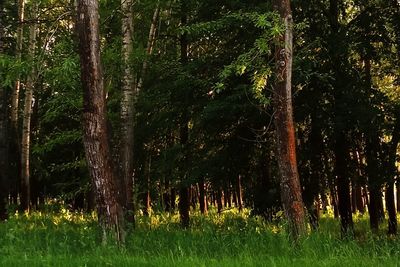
{"x": 190, "y": 91}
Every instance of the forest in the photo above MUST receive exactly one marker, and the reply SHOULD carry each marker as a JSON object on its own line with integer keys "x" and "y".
{"x": 199, "y": 132}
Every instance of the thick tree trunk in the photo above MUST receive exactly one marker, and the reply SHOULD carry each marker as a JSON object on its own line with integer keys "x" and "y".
{"x": 343, "y": 183}
{"x": 341, "y": 149}
{"x": 95, "y": 139}
{"x": 312, "y": 186}
{"x": 129, "y": 94}
{"x": 26, "y": 124}
{"x": 4, "y": 167}
{"x": 285, "y": 136}
{"x": 184, "y": 206}
{"x": 374, "y": 181}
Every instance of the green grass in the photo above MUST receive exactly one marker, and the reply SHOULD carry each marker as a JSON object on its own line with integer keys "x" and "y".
{"x": 71, "y": 239}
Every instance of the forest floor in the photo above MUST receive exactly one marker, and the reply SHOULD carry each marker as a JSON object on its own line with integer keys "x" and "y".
{"x": 71, "y": 239}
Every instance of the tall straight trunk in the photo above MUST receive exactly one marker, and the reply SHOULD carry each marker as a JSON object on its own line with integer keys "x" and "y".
{"x": 184, "y": 190}
{"x": 26, "y": 124}
{"x": 150, "y": 45}
{"x": 390, "y": 197}
{"x": 95, "y": 139}
{"x": 285, "y": 136}
{"x": 15, "y": 93}
{"x": 341, "y": 149}
{"x": 316, "y": 172}
{"x": 129, "y": 94}
{"x": 3, "y": 136}
{"x": 15, "y": 135}
{"x": 130, "y": 91}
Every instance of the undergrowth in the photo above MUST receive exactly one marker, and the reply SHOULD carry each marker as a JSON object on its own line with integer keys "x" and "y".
{"x": 63, "y": 238}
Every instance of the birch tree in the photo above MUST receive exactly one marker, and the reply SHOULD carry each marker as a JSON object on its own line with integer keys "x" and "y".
{"x": 95, "y": 139}
{"x": 27, "y": 115}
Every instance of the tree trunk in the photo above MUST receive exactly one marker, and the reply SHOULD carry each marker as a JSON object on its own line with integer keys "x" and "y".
{"x": 343, "y": 183}
{"x": 239, "y": 192}
{"x": 95, "y": 139}
{"x": 285, "y": 136}
{"x": 147, "y": 197}
{"x": 203, "y": 197}
{"x": 390, "y": 203}
{"x": 150, "y": 45}
{"x": 227, "y": 194}
{"x": 219, "y": 200}
{"x": 128, "y": 100}
{"x": 184, "y": 190}
{"x": 4, "y": 167}
{"x": 312, "y": 186}
{"x": 15, "y": 93}
{"x": 374, "y": 180}
{"x": 359, "y": 200}
{"x": 26, "y": 124}
{"x": 184, "y": 206}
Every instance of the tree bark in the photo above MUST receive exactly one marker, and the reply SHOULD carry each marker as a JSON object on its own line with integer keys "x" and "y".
{"x": 4, "y": 167}
{"x": 95, "y": 139}
{"x": 341, "y": 149}
{"x": 341, "y": 152}
{"x": 129, "y": 94}
{"x": 15, "y": 93}
{"x": 283, "y": 119}
{"x": 239, "y": 193}
{"x": 184, "y": 190}
{"x": 26, "y": 124}
{"x": 147, "y": 196}
{"x": 374, "y": 183}
{"x": 150, "y": 45}
{"x": 203, "y": 197}
{"x": 390, "y": 203}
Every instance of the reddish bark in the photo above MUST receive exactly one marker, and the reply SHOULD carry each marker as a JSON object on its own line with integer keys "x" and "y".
{"x": 283, "y": 119}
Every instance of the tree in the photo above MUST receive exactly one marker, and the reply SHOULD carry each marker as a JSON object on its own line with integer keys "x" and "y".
{"x": 15, "y": 94}
{"x": 184, "y": 189}
{"x": 94, "y": 122}
{"x": 3, "y": 133}
{"x": 283, "y": 119}
{"x": 27, "y": 115}
{"x": 128, "y": 100}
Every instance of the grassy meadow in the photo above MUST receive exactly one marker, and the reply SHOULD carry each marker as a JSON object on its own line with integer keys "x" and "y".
{"x": 63, "y": 238}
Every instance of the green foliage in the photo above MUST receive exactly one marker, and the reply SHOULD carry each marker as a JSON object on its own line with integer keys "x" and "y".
{"x": 256, "y": 62}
